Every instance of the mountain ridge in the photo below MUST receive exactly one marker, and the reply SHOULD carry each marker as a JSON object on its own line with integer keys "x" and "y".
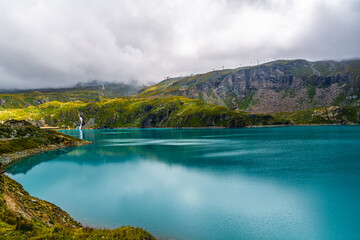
{"x": 278, "y": 86}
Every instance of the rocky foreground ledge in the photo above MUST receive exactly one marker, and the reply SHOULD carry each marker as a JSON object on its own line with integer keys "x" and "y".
{"x": 25, "y": 217}
{"x": 20, "y": 139}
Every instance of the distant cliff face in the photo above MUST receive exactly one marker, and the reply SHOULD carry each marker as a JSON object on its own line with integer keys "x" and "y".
{"x": 272, "y": 87}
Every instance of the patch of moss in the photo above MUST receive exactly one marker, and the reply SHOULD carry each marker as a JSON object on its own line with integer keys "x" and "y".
{"x": 289, "y": 93}
{"x": 302, "y": 71}
{"x": 245, "y": 103}
{"x": 352, "y": 113}
{"x": 339, "y": 99}
{"x": 311, "y": 91}
{"x": 323, "y": 68}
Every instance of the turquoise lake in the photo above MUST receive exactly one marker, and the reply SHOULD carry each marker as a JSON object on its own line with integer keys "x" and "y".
{"x": 254, "y": 183}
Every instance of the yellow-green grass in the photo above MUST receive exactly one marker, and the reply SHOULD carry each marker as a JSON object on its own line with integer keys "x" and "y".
{"x": 136, "y": 112}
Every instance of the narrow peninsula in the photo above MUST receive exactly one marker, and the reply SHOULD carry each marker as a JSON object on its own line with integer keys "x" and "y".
{"x": 20, "y": 139}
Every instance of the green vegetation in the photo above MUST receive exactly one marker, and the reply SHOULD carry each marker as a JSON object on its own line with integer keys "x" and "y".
{"x": 22, "y": 100}
{"x": 245, "y": 103}
{"x": 324, "y": 68}
{"x": 352, "y": 114}
{"x": 157, "y": 112}
{"x": 323, "y": 115}
{"x": 342, "y": 99}
{"x": 25, "y": 217}
{"x": 339, "y": 99}
{"x": 277, "y": 62}
{"x": 311, "y": 91}
{"x": 87, "y": 92}
{"x": 354, "y": 68}
{"x": 288, "y": 93}
{"x": 136, "y": 112}
{"x": 302, "y": 71}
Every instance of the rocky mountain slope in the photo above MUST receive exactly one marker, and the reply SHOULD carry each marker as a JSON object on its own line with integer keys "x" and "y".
{"x": 279, "y": 86}
{"x": 19, "y": 139}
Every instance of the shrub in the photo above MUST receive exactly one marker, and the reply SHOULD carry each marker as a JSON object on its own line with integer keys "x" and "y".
{"x": 24, "y": 225}
{"x": 9, "y": 217}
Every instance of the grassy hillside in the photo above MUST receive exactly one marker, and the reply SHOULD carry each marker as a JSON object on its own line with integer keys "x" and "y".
{"x": 271, "y": 87}
{"x": 86, "y": 92}
{"x": 25, "y": 217}
{"x": 168, "y": 112}
{"x": 22, "y": 100}
{"x": 136, "y": 112}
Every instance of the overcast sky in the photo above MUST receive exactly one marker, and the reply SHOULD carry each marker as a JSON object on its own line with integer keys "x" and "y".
{"x": 54, "y": 43}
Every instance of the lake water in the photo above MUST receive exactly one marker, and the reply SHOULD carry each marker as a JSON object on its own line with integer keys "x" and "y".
{"x": 254, "y": 183}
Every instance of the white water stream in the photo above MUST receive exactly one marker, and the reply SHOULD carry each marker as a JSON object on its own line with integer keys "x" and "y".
{"x": 81, "y": 122}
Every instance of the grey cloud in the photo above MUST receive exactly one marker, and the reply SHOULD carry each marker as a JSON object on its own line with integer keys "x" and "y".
{"x": 58, "y": 43}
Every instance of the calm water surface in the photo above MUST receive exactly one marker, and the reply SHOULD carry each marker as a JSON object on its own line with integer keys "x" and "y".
{"x": 258, "y": 183}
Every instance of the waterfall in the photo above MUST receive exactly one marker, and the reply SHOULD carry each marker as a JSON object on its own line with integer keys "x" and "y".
{"x": 81, "y": 135}
{"x": 81, "y": 122}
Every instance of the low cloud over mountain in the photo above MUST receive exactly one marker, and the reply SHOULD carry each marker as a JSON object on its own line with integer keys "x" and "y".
{"x": 58, "y": 43}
